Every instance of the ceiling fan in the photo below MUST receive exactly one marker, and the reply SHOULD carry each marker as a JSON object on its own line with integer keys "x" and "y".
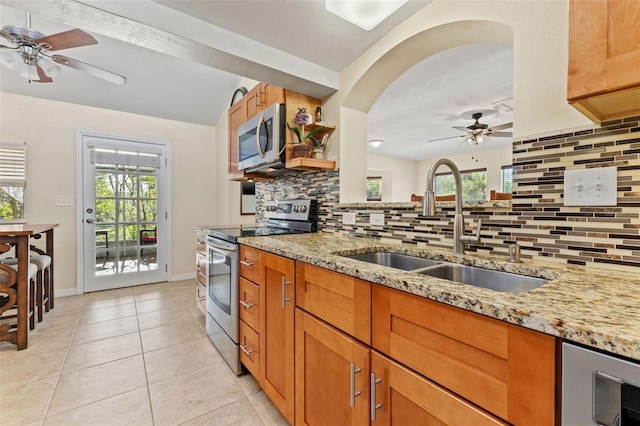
{"x": 31, "y": 48}
{"x": 478, "y": 132}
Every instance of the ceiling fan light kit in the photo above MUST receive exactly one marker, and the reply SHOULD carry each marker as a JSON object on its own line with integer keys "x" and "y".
{"x": 366, "y": 14}
{"x": 31, "y": 48}
{"x": 479, "y": 133}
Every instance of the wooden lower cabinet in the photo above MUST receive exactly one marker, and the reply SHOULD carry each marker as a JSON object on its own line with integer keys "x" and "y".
{"x": 402, "y": 397}
{"x": 507, "y": 370}
{"x": 277, "y": 332}
{"x": 339, "y": 379}
{"x": 332, "y": 375}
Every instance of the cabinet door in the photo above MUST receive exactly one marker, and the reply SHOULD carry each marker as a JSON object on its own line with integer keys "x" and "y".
{"x": 272, "y": 94}
{"x": 604, "y": 58}
{"x": 237, "y": 116}
{"x": 251, "y": 266}
{"x": 277, "y": 332}
{"x": 402, "y": 397}
{"x": 486, "y": 361}
{"x": 332, "y": 375}
{"x": 249, "y": 298}
{"x": 253, "y": 101}
{"x": 340, "y": 300}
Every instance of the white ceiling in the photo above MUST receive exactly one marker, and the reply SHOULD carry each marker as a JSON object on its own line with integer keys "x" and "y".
{"x": 184, "y": 59}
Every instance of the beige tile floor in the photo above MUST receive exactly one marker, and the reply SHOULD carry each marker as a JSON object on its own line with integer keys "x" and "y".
{"x": 132, "y": 356}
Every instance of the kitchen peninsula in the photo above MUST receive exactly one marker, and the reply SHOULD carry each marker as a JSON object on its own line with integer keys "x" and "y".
{"x": 454, "y": 352}
{"x": 597, "y": 308}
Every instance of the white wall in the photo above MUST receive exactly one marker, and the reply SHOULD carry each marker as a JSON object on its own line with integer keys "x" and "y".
{"x": 49, "y": 128}
{"x": 398, "y": 176}
{"x": 540, "y": 33}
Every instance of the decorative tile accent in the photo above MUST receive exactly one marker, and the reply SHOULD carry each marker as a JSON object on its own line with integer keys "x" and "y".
{"x": 538, "y": 221}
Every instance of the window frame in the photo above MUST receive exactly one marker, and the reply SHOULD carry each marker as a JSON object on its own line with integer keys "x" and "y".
{"x": 462, "y": 173}
{"x": 13, "y": 173}
{"x": 502, "y": 178}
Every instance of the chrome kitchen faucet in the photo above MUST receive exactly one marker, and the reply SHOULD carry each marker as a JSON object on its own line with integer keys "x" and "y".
{"x": 429, "y": 205}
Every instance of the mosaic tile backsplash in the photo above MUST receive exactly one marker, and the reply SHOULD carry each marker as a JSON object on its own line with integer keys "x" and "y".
{"x": 538, "y": 220}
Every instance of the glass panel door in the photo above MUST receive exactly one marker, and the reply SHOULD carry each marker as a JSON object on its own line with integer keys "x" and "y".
{"x": 122, "y": 224}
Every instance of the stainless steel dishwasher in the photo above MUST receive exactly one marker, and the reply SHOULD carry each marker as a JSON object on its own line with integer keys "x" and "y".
{"x": 598, "y": 388}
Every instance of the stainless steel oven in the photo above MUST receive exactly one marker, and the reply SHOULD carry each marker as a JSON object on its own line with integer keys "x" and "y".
{"x": 222, "y": 269}
{"x": 222, "y": 299}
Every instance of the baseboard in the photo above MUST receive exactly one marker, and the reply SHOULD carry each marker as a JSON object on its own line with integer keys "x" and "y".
{"x": 182, "y": 277}
{"x": 65, "y": 293}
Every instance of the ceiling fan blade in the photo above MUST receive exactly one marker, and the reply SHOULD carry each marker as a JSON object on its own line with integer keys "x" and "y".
{"x": 464, "y": 129}
{"x": 450, "y": 137}
{"x": 67, "y": 40}
{"x": 9, "y": 38}
{"x": 89, "y": 69}
{"x": 43, "y": 77}
{"x": 501, "y": 127}
{"x": 501, "y": 134}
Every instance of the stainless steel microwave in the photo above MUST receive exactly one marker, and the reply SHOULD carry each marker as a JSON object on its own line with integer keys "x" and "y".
{"x": 262, "y": 140}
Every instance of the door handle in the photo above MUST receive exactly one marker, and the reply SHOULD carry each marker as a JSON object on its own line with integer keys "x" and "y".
{"x": 90, "y": 220}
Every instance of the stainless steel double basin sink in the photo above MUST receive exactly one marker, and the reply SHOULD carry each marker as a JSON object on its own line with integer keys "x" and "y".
{"x": 479, "y": 277}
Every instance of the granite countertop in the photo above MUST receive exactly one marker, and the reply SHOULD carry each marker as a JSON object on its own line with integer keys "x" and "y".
{"x": 595, "y": 307}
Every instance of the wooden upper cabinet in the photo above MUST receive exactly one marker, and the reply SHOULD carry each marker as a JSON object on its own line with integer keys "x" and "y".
{"x": 261, "y": 96}
{"x": 604, "y": 58}
{"x": 237, "y": 116}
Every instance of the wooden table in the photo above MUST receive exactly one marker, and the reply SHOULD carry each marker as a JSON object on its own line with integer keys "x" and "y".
{"x": 18, "y": 236}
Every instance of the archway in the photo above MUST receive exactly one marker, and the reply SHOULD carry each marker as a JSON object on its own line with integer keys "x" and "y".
{"x": 382, "y": 73}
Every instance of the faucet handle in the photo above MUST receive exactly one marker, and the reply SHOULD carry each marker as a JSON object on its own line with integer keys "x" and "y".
{"x": 473, "y": 239}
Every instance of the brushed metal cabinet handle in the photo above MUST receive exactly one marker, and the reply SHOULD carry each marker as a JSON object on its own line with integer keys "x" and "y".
{"x": 353, "y": 394}
{"x": 244, "y": 349}
{"x": 373, "y": 404}
{"x": 246, "y": 304}
{"x": 245, "y": 263}
{"x": 284, "y": 291}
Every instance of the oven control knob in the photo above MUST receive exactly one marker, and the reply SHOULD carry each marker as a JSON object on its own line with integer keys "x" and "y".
{"x": 296, "y": 209}
{"x": 303, "y": 209}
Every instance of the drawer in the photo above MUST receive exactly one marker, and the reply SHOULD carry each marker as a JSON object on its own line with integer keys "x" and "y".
{"x": 249, "y": 349}
{"x": 249, "y": 297}
{"x": 340, "y": 300}
{"x": 201, "y": 297}
{"x": 201, "y": 268}
{"x": 201, "y": 242}
{"x": 251, "y": 264}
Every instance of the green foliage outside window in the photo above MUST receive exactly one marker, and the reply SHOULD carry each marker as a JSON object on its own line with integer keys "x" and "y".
{"x": 474, "y": 185}
{"x": 374, "y": 188}
{"x": 11, "y": 202}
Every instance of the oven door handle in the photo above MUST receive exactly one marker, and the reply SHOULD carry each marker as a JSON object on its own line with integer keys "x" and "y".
{"x": 221, "y": 246}
{"x": 258, "y": 129}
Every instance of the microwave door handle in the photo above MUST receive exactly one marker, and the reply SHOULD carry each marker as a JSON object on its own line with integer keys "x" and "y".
{"x": 260, "y": 122}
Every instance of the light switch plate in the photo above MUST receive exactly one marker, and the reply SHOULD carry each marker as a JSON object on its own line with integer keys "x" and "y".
{"x": 376, "y": 219}
{"x": 591, "y": 187}
{"x": 349, "y": 218}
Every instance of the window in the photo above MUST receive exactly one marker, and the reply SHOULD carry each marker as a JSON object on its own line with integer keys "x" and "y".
{"x": 474, "y": 184}
{"x": 13, "y": 179}
{"x": 507, "y": 179}
{"x": 374, "y": 188}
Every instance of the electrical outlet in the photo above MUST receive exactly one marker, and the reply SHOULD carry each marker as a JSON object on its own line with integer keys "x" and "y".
{"x": 376, "y": 219}
{"x": 63, "y": 201}
{"x": 348, "y": 218}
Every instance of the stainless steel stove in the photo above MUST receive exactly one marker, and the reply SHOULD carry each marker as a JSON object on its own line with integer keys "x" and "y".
{"x": 284, "y": 217}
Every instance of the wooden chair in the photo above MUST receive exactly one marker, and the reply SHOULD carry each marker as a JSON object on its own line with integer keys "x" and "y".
{"x": 9, "y": 299}
{"x": 448, "y": 197}
{"x": 500, "y": 195}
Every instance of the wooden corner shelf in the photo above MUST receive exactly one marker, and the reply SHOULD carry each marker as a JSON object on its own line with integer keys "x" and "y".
{"x": 310, "y": 164}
